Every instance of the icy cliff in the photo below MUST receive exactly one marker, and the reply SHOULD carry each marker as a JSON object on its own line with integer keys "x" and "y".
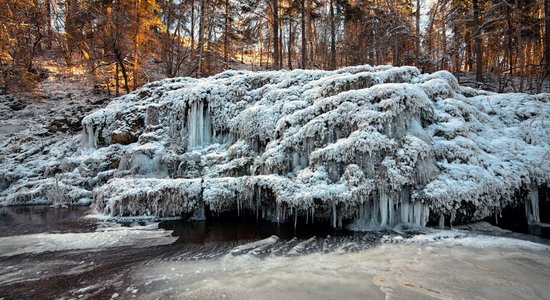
{"x": 376, "y": 146}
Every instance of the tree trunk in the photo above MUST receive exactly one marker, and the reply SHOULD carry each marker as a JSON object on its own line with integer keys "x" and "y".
{"x": 48, "y": 21}
{"x": 261, "y": 39}
{"x": 417, "y": 52}
{"x": 520, "y": 49}
{"x": 135, "y": 67}
{"x": 192, "y": 25}
{"x": 201, "y": 36}
{"x": 281, "y": 47}
{"x": 332, "y": 37}
{"x": 547, "y": 34}
{"x": 120, "y": 61}
{"x": 304, "y": 35}
{"x": 226, "y": 37}
{"x": 70, "y": 30}
{"x": 309, "y": 34}
{"x": 211, "y": 32}
{"x": 444, "y": 35}
{"x": 167, "y": 44}
{"x": 290, "y": 41}
{"x": 117, "y": 89}
{"x": 275, "y": 24}
{"x": 477, "y": 42}
{"x": 510, "y": 38}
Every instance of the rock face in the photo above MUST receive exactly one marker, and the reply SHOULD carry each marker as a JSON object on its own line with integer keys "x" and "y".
{"x": 380, "y": 145}
{"x": 374, "y": 146}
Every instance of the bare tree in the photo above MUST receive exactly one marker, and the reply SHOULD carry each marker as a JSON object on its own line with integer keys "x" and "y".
{"x": 477, "y": 41}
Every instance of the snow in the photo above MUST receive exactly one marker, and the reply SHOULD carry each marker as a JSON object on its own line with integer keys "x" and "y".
{"x": 254, "y": 245}
{"x": 111, "y": 235}
{"x": 377, "y": 146}
{"x": 463, "y": 238}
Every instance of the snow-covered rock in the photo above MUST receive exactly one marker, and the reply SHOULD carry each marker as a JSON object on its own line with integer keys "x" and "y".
{"x": 378, "y": 145}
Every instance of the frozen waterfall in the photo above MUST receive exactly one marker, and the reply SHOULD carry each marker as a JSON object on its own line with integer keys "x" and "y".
{"x": 367, "y": 146}
{"x": 199, "y": 125}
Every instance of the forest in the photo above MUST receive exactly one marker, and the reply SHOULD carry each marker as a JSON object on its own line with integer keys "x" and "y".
{"x": 499, "y": 45}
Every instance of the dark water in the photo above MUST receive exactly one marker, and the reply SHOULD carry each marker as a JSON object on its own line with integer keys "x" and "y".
{"x": 63, "y": 274}
{"x": 48, "y": 275}
{"x": 17, "y": 220}
{"x": 234, "y": 229}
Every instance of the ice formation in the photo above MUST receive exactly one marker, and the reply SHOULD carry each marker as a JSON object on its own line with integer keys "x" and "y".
{"x": 371, "y": 146}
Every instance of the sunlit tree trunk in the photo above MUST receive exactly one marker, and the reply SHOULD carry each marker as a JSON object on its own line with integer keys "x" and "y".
{"x": 48, "y": 21}
{"x": 261, "y": 39}
{"x": 275, "y": 25}
{"x": 417, "y": 53}
{"x": 192, "y": 25}
{"x": 167, "y": 43}
{"x": 280, "y": 40}
{"x": 201, "y": 37}
{"x": 70, "y": 31}
{"x": 135, "y": 67}
{"x": 209, "y": 40}
{"x": 520, "y": 50}
{"x": 290, "y": 41}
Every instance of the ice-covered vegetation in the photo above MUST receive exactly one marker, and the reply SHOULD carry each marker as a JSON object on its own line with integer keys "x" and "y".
{"x": 376, "y": 146}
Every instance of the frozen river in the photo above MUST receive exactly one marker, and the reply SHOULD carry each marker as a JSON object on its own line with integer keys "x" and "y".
{"x": 50, "y": 253}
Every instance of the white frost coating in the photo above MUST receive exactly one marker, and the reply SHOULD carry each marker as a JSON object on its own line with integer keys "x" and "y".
{"x": 381, "y": 145}
{"x": 148, "y": 197}
{"x": 377, "y": 146}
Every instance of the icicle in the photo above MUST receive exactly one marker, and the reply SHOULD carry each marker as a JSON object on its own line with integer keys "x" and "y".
{"x": 391, "y": 210}
{"x": 453, "y": 215}
{"x": 383, "y": 208}
{"x": 405, "y": 211}
{"x": 295, "y": 161}
{"x": 334, "y": 214}
{"x": 295, "y": 218}
{"x": 257, "y": 205}
{"x": 532, "y": 205}
{"x": 405, "y": 199}
{"x": 90, "y": 137}
{"x": 441, "y": 221}
{"x": 418, "y": 213}
{"x": 199, "y": 125}
{"x": 425, "y": 215}
{"x": 278, "y": 214}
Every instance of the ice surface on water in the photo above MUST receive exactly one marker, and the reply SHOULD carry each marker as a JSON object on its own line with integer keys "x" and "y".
{"x": 377, "y": 145}
{"x": 110, "y": 236}
{"x": 476, "y": 267}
